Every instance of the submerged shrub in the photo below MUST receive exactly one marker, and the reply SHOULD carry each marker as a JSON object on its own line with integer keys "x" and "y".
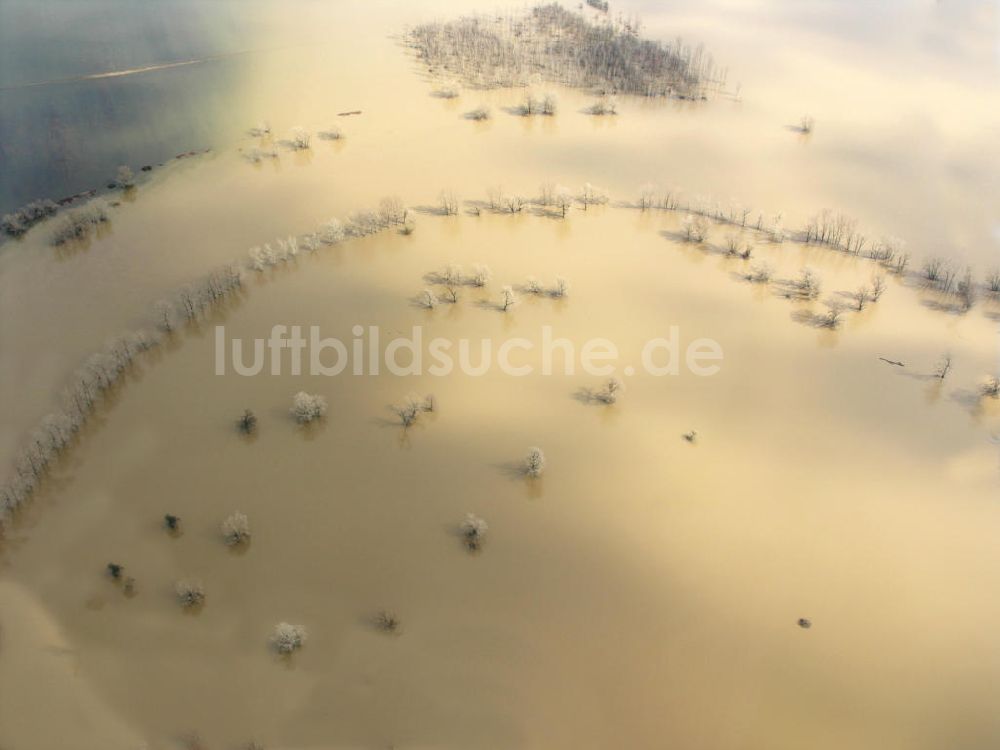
{"x": 331, "y": 134}
{"x": 171, "y": 522}
{"x": 288, "y": 638}
{"x": 479, "y": 114}
{"x": 236, "y": 529}
{"x": 115, "y": 570}
{"x": 307, "y": 407}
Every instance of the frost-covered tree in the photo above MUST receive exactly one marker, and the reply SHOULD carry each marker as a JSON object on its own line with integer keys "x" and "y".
{"x": 760, "y": 274}
{"x": 236, "y": 529}
{"x": 534, "y": 463}
{"x": 287, "y": 638}
{"x": 606, "y": 105}
{"x": 560, "y": 289}
{"x": 261, "y": 129}
{"x": 513, "y": 203}
{"x": 79, "y": 223}
{"x": 331, "y": 232}
{"x": 481, "y": 275}
{"x": 808, "y": 284}
{"x": 877, "y": 288}
{"x": 563, "y": 199}
{"x": 591, "y": 195}
{"x": 411, "y": 409}
{"x": 831, "y": 318}
{"x": 427, "y": 299}
{"x": 473, "y": 530}
{"x": 190, "y": 593}
{"x": 549, "y": 104}
{"x": 533, "y": 286}
{"x": 694, "y": 228}
{"x": 307, "y": 407}
{"x": 392, "y": 211}
{"x": 507, "y": 298}
{"x": 449, "y": 202}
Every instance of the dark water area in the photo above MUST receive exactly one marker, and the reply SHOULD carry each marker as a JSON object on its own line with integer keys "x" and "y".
{"x": 63, "y": 131}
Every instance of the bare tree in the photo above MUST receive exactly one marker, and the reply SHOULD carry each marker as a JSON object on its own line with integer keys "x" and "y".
{"x": 647, "y": 196}
{"x": 560, "y": 289}
{"x": 943, "y": 367}
{"x": 507, "y": 298}
{"x": 427, "y": 299}
{"x": 878, "y": 288}
{"x": 563, "y": 199}
{"x": 449, "y": 203}
{"x": 549, "y": 104}
{"x": 591, "y": 195}
{"x": 831, "y": 318}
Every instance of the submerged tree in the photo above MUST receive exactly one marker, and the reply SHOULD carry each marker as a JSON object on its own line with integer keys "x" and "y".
{"x": 299, "y": 139}
{"x": 534, "y": 463}
{"x": 307, "y": 407}
{"x": 560, "y": 45}
{"x": 288, "y": 638}
{"x": 507, "y": 298}
{"x": 473, "y": 530}
{"x": 236, "y": 529}
{"x": 190, "y": 593}
{"x": 20, "y": 221}
{"x": 247, "y": 423}
{"x": 610, "y": 392}
{"x": 124, "y": 178}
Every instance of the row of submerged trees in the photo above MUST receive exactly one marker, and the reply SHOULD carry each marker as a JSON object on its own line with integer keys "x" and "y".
{"x": 511, "y": 49}
{"x": 105, "y": 369}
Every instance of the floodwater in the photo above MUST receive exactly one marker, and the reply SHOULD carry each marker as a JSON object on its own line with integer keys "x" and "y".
{"x": 645, "y": 590}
